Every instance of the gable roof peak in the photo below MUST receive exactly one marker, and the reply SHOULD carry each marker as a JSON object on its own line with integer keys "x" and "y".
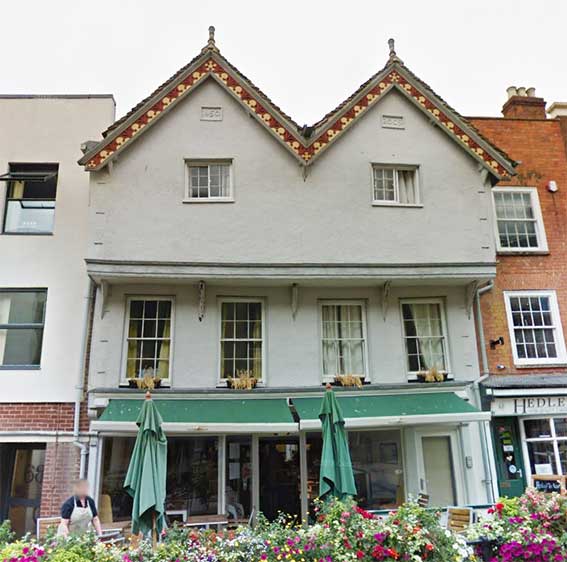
{"x": 393, "y": 57}
{"x": 211, "y": 45}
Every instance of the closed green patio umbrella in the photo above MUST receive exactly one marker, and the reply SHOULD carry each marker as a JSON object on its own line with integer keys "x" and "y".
{"x": 145, "y": 479}
{"x": 336, "y": 477}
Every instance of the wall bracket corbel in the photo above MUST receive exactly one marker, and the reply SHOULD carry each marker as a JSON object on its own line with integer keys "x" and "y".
{"x": 386, "y": 289}
{"x": 202, "y": 299}
{"x": 470, "y": 294}
{"x": 294, "y": 300}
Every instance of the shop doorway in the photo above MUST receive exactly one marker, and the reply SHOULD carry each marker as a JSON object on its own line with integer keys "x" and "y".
{"x": 438, "y": 475}
{"x": 279, "y": 476}
{"x": 21, "y": 479}
{"x": 509, "y": 465}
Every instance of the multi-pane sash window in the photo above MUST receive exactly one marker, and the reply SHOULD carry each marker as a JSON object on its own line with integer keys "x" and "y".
{"x": 535, "y": 328}
{"x": 22, "y": 316}
{"x": 518, "y": 220}
{"x": 343, "y": 333}
{"x": 546, "y": 441}
{"x": 241, "y": 339}
{"x": 148, "y": 340}
{"x": 425, "y": 336}
{"x": 395, "y": 185}
{"x": 209, "y": 181}
{"x": 30, "y": 200}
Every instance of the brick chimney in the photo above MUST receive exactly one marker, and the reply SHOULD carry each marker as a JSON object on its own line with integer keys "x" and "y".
{"x": 558, "y": 110}
{"x": 523, "y": 104}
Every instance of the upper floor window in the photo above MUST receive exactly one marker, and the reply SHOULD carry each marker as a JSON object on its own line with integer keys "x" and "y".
{"x": 518, "y": 220}
{"x": 241, "y": 340}
{"x": 30, "y": 198}
{"x": 209, "y": 180}
{"x": 535, "y": 328}
{"x": 425, "y": 335}
{"x": 149, "y": 337}
{"x": 22, "y": 317}
{"x": 343, "y": 339}
{"x": 395, "y": 185}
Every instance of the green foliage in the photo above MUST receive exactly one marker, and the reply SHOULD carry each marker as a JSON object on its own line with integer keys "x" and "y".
{"x": 6, "y": 533}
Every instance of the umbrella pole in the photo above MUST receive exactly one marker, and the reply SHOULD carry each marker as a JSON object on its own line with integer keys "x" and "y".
{"x": 154, "y": 534}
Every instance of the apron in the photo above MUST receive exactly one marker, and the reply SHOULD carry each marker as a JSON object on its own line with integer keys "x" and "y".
{"x": 81, "y": 519}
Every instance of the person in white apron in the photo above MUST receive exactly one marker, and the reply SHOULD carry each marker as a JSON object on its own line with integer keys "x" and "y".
{"x": 79, "y": 513}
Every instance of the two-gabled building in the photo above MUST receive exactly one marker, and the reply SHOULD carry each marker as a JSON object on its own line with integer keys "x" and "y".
{"x": 233, "y": 248}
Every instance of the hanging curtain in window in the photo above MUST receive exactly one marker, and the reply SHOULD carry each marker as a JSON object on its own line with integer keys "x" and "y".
{"x": 330, "y": 337}
{"x": 163, "y": 355}
{"x": 407, "y": 187}
{"x": 429, "y": 332}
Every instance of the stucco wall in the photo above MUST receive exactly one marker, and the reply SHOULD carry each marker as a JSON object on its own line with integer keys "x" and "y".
{"x": 138, "y": 212}
{"x": 51, "y": 130}
{"x": 293, "y": 353}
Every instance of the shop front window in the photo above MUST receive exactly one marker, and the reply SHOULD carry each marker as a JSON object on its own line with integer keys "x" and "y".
{"x": 238, "y": 478}
{"x": 378, "y": 468}
{"x": 192, "y": 477}
{"x": 546, "y": 440}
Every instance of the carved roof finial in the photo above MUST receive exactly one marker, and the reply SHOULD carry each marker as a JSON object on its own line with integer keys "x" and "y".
{"x": 211, "y": 46}
{"x": 393, "y": 57}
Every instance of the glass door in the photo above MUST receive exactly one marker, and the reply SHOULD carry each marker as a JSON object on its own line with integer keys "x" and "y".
{"x": 279, "y": 476}
{"x": 23, "y": 477}
{"x": 508, "y": 451}
{"x": 238, "y": 488}
{"x": 438, "y": 479}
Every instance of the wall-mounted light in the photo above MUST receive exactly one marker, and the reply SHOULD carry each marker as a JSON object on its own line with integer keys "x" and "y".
{"x": 552, "y": 186}
{"x": 498, "y": 341}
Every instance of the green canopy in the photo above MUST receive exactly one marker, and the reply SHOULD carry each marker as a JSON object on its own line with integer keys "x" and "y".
{"x": 145, "y": 479}
{"x": 336, "y": 477}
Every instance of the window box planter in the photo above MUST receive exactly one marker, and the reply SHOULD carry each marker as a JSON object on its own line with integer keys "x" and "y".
{"x": 349, "y": 380}
{"x": 146, "y": 383}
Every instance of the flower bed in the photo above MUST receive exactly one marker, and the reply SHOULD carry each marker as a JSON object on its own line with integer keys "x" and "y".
{"x": 531, "y": 528}
{"x": 341, "y": 531}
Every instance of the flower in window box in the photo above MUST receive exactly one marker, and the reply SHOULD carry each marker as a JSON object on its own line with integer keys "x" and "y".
{"x": 431, "y": 375}
{"x": 350, "y": 380}
{"x": 244, "y": 380}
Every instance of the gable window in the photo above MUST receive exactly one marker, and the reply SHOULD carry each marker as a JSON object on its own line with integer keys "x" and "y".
{"x": 343, "y": 339}
{"x": 535, "y": 328}
{"x": 22, "y": 317}
{"x": 149, "y": 337}
{"x": 519, "y": 221}
{"x": 241, "y": 340}
{"x": 425, "y": 335}
{"x": 209, "y": 180}
{"x": 30, "y": 198}
{"x": 395, "y": 185}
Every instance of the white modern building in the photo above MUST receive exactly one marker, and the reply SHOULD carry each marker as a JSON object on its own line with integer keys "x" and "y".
{"x": 44, "y": 297}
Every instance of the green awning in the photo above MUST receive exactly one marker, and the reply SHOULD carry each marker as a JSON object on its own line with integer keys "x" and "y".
{"x": 398, "y": 409}
{"x": 206, "y": 415}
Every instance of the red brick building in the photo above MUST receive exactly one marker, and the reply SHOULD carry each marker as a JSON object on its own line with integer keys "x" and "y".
{"x": 524, "y": 314}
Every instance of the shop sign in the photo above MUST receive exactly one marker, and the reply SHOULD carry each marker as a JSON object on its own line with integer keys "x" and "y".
{"x": 529, "y": 405}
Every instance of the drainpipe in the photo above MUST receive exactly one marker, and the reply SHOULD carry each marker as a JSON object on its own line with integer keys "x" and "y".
{"x": 488, "y": 480}
{"x": 81, "y": 380}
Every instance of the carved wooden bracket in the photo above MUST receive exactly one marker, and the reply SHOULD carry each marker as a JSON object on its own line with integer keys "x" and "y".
{"x": 202, "y": 299}
{"x": 294, "y": 300}
{"x": 386, "y": 298}
{"x": 470, "y": 294}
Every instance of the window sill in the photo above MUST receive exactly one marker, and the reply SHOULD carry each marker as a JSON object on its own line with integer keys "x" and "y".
{"x": 522, "y": 252}
{"x": 540, "y": 365}
{"x": 126, "y": 384}
{"x": 20, "y": 367}
{"x": 27, "y": 233}
{"x": 212, "y": 200}
{"x": 393, "y": 204}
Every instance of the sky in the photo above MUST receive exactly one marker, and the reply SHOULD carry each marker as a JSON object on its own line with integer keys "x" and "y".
{"x": 307, "y": 56}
